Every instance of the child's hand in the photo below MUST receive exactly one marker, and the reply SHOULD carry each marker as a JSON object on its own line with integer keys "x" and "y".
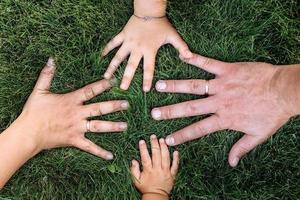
{"x": 142, "y": 40}
{"x": 158, "y": 174}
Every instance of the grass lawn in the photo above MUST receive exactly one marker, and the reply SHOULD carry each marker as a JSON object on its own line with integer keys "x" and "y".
{"x": 75, "y": 31}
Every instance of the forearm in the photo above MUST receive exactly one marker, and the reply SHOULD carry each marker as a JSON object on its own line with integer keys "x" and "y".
{"x": 152, "y": 8}
{"x": 15, "y": 150}
{"x": 287, "y": 82}
{"x": 154, "y": 197}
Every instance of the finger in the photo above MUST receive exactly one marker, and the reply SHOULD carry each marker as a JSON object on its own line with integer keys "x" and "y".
{"x": 185, "y": 109}
{"x": 116, "y": 61}
{"x": 98, "y": 126}
{"x": 156, "y": 153}
{"x": 195, "y": 131}
{"x": 145, "y": 157}
{"x": 115, "y": 42}
{"x": 135, "y": 170}
{"x": 180, "y": 45}
{"x": 149, "y": 67}
{"x": 208, "y": 64}
{"x": 131, "y": 67}
{"x": 242, "y": 147}
{"x": 104, "y": 108}
{"x": 193, "y": 86}
{"x": 90, "y": 91}
{"x": 90, "y": 147}
{"x": 46, "y": 76}
{"x": 165, "y": 154}
{"x": 175, "y": 163}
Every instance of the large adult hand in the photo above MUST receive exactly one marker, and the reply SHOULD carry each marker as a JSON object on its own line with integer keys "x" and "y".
{"x": 244, "y": 97}
{"x": 142, "y": 39}
{"x": 61, "y": 120}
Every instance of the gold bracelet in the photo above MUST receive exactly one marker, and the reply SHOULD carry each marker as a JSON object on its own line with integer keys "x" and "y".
{"x": 148, "y": 18}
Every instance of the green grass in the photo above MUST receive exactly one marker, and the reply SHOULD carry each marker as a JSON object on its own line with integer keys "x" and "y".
{"x": 75, "y": 31}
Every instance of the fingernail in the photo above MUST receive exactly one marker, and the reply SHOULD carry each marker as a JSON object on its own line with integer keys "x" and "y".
{"x": 161, "y": 140}
{"x": 146, "y": 89}
{"x": 125, "y": 104}
{"x": 152, "y": 137}
{"x": 161, "y": 85}
{"x": 170, "y": 141}
{"x": 235, "y": 162}
{"x": 123, "y": 86}
{"x": 109, "y": 156}
{"x": 106, "y": 76}
{"x": 51, "y": 63}
{"x": 123, "y": 126}
{"x": 142, "y": 142}
{"x": 156, "y": 114}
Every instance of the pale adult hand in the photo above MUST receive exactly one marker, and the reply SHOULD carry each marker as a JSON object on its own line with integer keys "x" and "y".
{"x": 245, "y": 97}
{"x": 156, "y": 179}
{"x": 60, "y": 120}
{"x": 142, "y": 39}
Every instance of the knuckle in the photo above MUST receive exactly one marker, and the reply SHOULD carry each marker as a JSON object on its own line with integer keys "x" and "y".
{"x": 145, "y": 162}
{"x": 118, "y": 58}
{"x": 116, "y": 105}
{"x": 194, "y": 85}
{"x": 243, "y": 149}
{"x": 191, "y": 108}
{"x": 112, "y": 66}
{"x": 173, "y": 85}
{"x": 207, "y": 62}
{"x": 131, "y": 65}
{"x": 181, "y": 137}
{"x": 168, "y": 112}
{"x": 95, "y": 126}
{"x": 88, "y": 92}
{"x": 147, "y": 80}
{"x": 126, "y": 78}
{"x": 199, "y": 130}
{"x": 96, "y": 110}
{"x": 149, "y": 70}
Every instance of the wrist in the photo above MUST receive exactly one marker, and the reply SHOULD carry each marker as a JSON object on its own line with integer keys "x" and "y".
{"x": 25, "y": 134}
{"x": 152, "y": 196}
{"x": 287, "y": 84}
{"x": 150, "y": 8}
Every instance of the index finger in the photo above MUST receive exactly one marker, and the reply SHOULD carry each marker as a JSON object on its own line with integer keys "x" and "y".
{"x": 145, "y": 157}
{"x": 90, "y": 91}
{"x": 208, "y": 64}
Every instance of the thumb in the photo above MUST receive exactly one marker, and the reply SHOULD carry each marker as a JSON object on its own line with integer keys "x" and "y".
{"x": 181, "y": 46}
{"x": 46, "y": 76}
{"x": 135, "y": 170}
{"x": 241, "y": 148}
